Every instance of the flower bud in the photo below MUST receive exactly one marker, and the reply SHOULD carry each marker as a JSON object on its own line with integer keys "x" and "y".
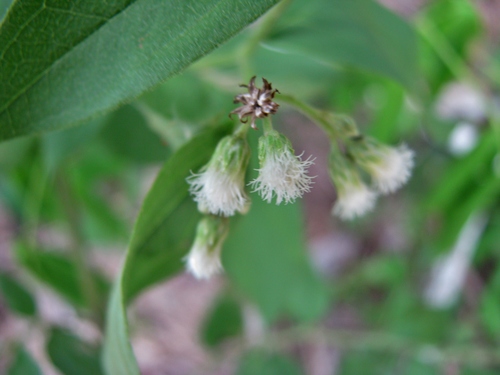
{"x": 203, "y": 260}
{"x": 389, "y": 167}
{"x": 354, "y": 198}
{"x": 282, "y": 174}
{"x": 219, "y": 186}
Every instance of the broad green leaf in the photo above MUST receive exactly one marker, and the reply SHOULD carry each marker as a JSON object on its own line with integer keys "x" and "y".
{"x": 262, "y": 363}
{"x": 23, "y": 364}
{"x": 14, "y": 151}
{"x": 357, "y": 33}
{"x": 223, "y": 321}
{"x": 64, "y": 62}
{"x": 17, "y": 298}
{"x": 60, "y": 274}
{"x": 162, "y": 235}
{"x": 4, "y": 6}
{"x": 71, "y": 355}
{"x": 266, "y": 258}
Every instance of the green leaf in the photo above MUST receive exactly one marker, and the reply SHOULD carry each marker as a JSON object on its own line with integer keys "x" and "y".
{"x": 358, "y": 33}
{"x": 490, "y": 311}
{"x": 262, "y": 363}
{"x": 127, "y": 133}
{"x": 16, "y": 296}
{"x": 60, "y": 273}
{"x": 272, "y": 268}
{"x": 162, "y": 235}
{"x": 71, "y": 355}
{"x": 23, "y": 364}
{"x": 223, "y": 321}
{"x": 58, "y": 146}
{"x": 64, "y": 62}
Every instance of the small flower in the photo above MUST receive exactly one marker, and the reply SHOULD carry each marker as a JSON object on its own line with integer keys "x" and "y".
{"x": 354, "y": 198}
{"x": 389, "y": 167}
{"x": 219, "y": 187}
{"x": 281, "y": 172}
{"x": 354, "y": 201}
{"x": 203, "y": 260}
{"x": 257, "y": 103}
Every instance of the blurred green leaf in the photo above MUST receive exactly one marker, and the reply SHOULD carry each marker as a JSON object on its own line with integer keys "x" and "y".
{"x": 358, "y": 33}
{"x": 455, "y": 21}
{"x": 23, "y": 364}
{"x": 461, "y": 174}
{"x": 57, "y": 146}
{"x": 71, "y": 355}
{"x": 223, "y": 321}
{"x": 80, "y": 67}
{"x": 266, "y": 258}
{"x": 383, "y": 270}
{"x": 490, "y": 312}
{"x": 60, "y": 273}
{"x": 162, "y": 235}
{"x": 127, "y": 133}
{"x": 262, "y": 363}
{"x": 16, "y": 296}
{"x": 14, "y": 151}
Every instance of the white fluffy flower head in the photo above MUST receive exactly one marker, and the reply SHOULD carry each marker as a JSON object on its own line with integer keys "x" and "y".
{"x": 389, "y": 167}
{"x": 354, "y": 198}
{"x": 282, "y": 174}
{"x": 354, "y": 201}
{"x": 219, "y": 187}
{"x": 203, "y": 260}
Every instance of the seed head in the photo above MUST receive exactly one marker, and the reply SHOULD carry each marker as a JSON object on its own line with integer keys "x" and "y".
{"x": 257, "y": 103}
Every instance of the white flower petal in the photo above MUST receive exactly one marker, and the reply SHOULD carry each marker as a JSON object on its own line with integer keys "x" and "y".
{"x": 218, "y": 192}
{"x": 393, "y": 169}
{"x": 354, "y": 201}
{"x": 283, "y": 175}
{"x": 203, "y": 262}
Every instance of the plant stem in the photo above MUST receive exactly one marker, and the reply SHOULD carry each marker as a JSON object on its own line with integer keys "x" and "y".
{"x": 267, "y": 125}
{"x": 384, "y": 342}
{"x": 335, "y": 126}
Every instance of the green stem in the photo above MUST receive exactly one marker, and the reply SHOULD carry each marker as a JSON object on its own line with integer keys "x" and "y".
{"x": 242, "y": 130}
{"x": 383, "y": 342}
{"x": 268, "y": 125}
{"x": 335, "y": 126}
{"x": 87, "y": 283}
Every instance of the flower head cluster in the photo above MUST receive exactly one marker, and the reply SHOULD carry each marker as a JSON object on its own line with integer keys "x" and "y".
{"x": 257, "y": 103}
{"x": 219, "y": 186}
{"x": 389, "y": 167}
{"x": 282, "y": 174}
{"x": 203, "y": 260}
{"x": 354, "y": 197}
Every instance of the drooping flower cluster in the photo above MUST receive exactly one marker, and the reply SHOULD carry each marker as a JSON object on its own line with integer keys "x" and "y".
{"x": 219, "y": 186}
{"x": 282, "y": 174}
{"x": 257, "y": 103}
{"x": 203, "y": 260}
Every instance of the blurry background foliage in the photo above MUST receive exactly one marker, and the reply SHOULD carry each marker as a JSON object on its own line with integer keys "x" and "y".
{"x": 103, "y": 78}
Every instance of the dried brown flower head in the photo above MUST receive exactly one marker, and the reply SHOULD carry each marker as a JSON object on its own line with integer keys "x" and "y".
{"x": 257, "y": 103}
